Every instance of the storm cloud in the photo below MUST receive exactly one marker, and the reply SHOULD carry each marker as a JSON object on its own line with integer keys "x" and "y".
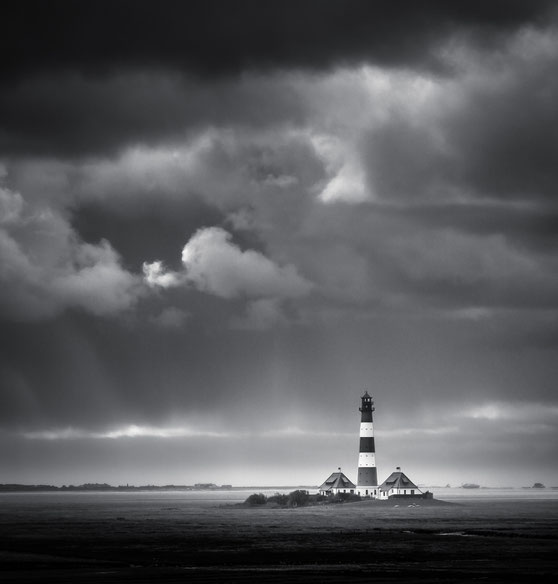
{"x": 226, "y": 223}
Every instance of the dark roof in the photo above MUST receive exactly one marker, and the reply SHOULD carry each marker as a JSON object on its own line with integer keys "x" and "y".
{"x": 397, "y": 480}
{"x": 337, "y": 480}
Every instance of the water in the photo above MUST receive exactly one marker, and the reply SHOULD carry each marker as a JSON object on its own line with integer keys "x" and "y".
{"x": 216, "y": 498}
{"x": 493, "y": 494}
{"x": 196, "y": 498}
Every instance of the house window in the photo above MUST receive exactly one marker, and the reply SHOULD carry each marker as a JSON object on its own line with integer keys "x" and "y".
{"x": 367, "y": 491}
{"x": 405, "y": 492}
{"x": 352, "y": 491}
{"x": 412, "y": 491}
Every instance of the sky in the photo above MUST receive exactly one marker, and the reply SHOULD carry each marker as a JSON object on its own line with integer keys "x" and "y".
{"x": 222, "y": 222}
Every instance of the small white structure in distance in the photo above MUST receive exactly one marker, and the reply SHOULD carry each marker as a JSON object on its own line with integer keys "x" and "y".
{"x": 336, "y": 483}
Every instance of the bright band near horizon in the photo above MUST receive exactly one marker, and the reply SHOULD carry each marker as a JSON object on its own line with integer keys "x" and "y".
{"x": 367, "y": 480}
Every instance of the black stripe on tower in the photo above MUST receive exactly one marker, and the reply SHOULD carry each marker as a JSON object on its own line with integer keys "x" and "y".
{"x": 367, "y": 477}
{"x": 366, "y": 416}
{"x": 367, "y": 445}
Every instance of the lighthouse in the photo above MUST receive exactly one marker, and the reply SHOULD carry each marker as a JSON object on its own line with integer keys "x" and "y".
{"x": 367, "y": 481}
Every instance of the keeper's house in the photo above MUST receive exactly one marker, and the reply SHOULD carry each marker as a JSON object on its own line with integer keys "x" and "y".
{"x": 336, "y": 483}
{"x": 399, "y": 485}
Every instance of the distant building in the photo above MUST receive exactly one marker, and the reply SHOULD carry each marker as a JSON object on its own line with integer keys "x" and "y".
{"x": 398, "y": 484}
{"x": 336, "y": 483}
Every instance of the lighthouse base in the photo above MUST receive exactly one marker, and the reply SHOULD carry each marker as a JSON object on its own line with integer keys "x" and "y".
{"x": 368, "y": 491}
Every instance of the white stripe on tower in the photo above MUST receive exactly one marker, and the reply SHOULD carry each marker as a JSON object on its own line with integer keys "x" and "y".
{"x": 366, "y": 459}
{"x": 366, "y": 430}
{"x": 367, "y": 482}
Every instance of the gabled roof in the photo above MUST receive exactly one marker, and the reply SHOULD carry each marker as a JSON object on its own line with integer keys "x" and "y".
{"x": 397, "y": 480}
{"x": 337, "y": 480}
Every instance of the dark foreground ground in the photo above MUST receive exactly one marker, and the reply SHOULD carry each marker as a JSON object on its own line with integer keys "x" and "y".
{"x": 159, "y": 540}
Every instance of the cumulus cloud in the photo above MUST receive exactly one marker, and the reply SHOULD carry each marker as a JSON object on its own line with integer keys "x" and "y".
{"x": 11, "y": 206}
{"x": 482, "y": 133}
{"x": 156, "y": 275}
{"x": 375, "y": 139}
{"x": 97, "y": 283}
{"x": 346, "y": 182}
{"x": 214, "y": 264}
{"x": 45, "y": 267}
{"x": 226, "y": 168}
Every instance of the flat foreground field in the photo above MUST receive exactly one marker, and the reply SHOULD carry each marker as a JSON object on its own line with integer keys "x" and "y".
{"x": 114, "y": 538}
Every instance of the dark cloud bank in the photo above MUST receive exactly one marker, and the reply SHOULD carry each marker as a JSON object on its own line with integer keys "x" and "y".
{"x": 220, "y": 222}
{"x": 213, "y": 37}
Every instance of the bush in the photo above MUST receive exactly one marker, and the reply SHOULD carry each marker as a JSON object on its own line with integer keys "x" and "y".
{"x": 298, "y": 498}
{"x": 256, "y": 499}
{"x": 346, "y": 498}
{"x": 279, "y": 499}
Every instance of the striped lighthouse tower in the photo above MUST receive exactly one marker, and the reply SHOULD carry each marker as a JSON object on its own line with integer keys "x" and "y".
{"x": 367, "y": 481}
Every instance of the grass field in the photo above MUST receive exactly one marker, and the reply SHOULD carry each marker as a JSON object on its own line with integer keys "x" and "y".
{"x": 163, "y": 537}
